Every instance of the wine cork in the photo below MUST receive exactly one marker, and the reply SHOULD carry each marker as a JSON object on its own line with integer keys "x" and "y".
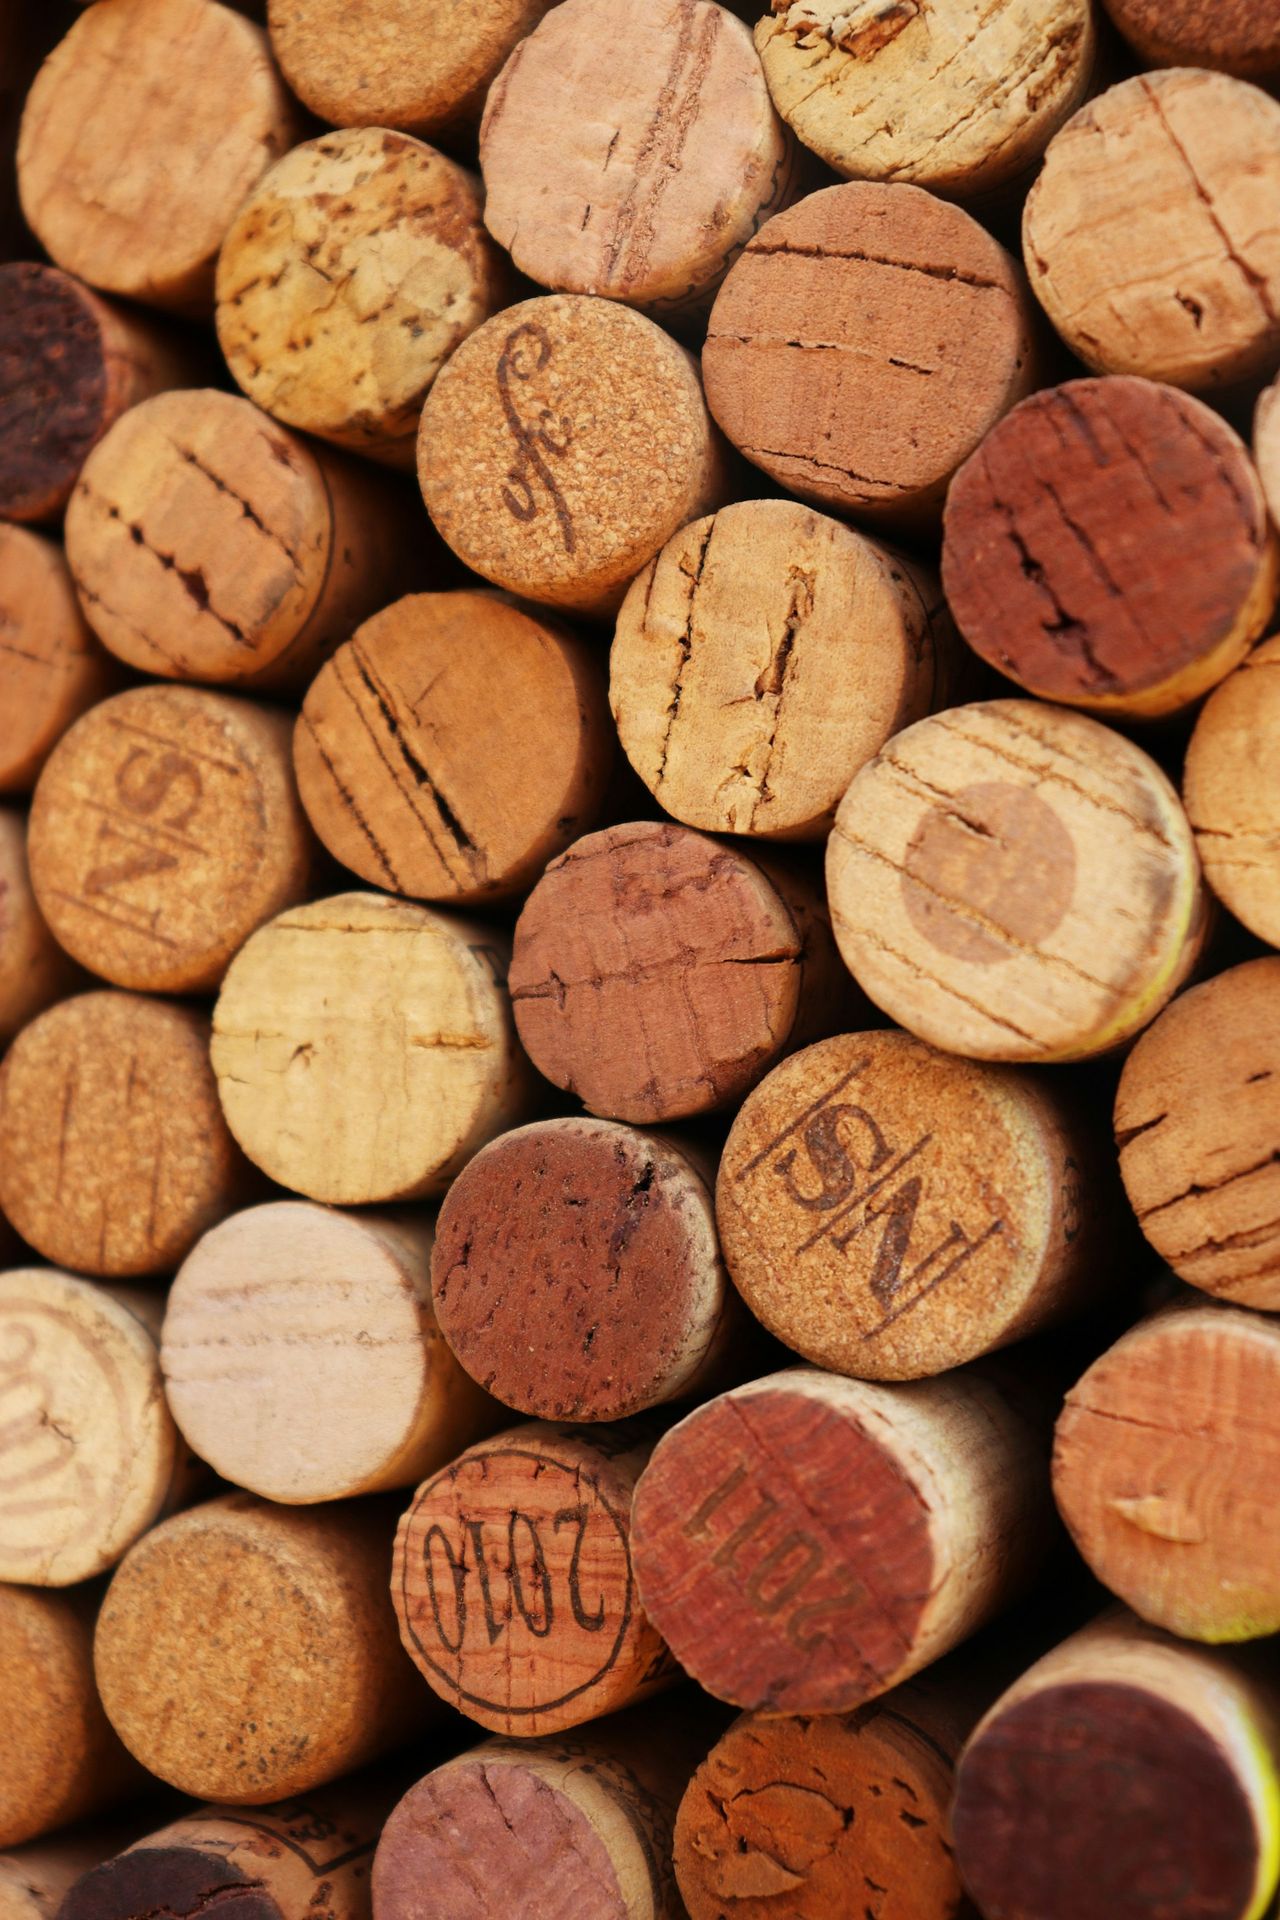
{"x": 633, "y": 152}
{"x": 1197, "y": 1122}
{"x": 246, "y": 1652}
{"x": 360, "y": 1396}
{"x": 563, "y": 444}
{"x": 513, "y": 1582}
{"x": 34, "y": 1879}
{"x": 889, "y": 1211}
{"x": 364, "y": 1048}
{"x": 1108, "y": 546}
{"x": 145, "y": 129}
{"x": 165, "y": 827}
{"x": 311, "y": 1856}
{"x": 929, "y": 309}
{"x": 658, "y": 974}
{"x": 961, "y": 99}
{"x": 91, "y": 1456}
{"x": 1233, "y": 36}
{"x": 114, "y": 1157}
{"x": 70, "y": 365}
{"x": 1146, "y": 234}
{"x": 1125, "y": 1774}
{"x": 1230, "y": 798}
{"x": 207, "y": 543}
{"x": 1015, "y": 882}
{"x": 613, "y": 1231}
{"x": 51, "y": 666}
{"x": 423, "y": 66}
{"x": 417, "y": 778}
{"x": 33, "y": 968}
{"x": 1164, "y": 1468}
{"x": 762, "y": 658}
{"x": 396, "y": 228}
{"x": 806, "y": 1542}
{"x": 59, "y": 1758}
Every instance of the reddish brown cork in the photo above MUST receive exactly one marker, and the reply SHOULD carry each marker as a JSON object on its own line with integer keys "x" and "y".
{"x": 1235, "y": 36}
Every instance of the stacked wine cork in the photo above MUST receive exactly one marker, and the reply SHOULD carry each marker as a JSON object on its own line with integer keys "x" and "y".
{"x": 640, "y": 961}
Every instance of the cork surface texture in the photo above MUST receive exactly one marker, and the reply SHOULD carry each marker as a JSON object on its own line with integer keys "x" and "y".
{"x": 1230, "y": 795}
{"x": 51, "y": 666}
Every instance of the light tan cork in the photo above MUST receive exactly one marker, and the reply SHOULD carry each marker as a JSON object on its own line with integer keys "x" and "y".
{"x": 51, "y": 666}
{"x": 245, "y": 1652}
{"x": 91, "y": 1456}
{"x": 396, "y": 229}
{"x": 364, "y": 1048}
{"x": 165, "y": 827}
{"x": 763, "y": 657}
{"x": 422, "y": 781}
{"x": 961, "y": 99}
{"x": 563, "y": 445}
{"x": 210, "y": 544}
{"x": 145, "y": 129}
{"x": 34, "y": 970}
{"x": 633, "y": 151}
{"x": 1016, "y": 882}
{"x": 1229, "y": 791}
{"x": 1148, "y": 236}
{"x": 357, "y": 1395}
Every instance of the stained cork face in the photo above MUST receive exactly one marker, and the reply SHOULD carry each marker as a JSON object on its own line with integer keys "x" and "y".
{"x": 165, "y": 828}
{"x": 929, "y": 307}
{"x": 1197, "y": 1122}
{"x": 1231, "y": 796}
{"x": 53, "y": 387}
{"x": 575, "y": 1271}
{"x": 889, "y": 1211}
{"x": 959, "y": 99}
{"x": 51, "y": 666}
{"x": 396, "y": 227}
{"x": 144, "y": 131}
{"x": 513, "y": 1581}
{"x": 182, "y": 1879}
{"x": 1233, "y": 35}
{"x": 114, "y": 1157}
{"x": 1015, "y": 882}
{"x": 563, "y": 444}
{"x": 677, "y": 155}
{"x": 1145, "y": 234}
{"x": 1108, "y": 546}
{"x": 762, "y": 658}
{"x": 420, "y": 781}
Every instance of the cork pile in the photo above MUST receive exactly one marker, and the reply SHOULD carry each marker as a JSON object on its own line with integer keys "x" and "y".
{"x": 639, "y": 976}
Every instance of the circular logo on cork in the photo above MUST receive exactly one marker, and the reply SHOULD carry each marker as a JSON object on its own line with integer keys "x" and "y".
{"x": 989, "y": 873}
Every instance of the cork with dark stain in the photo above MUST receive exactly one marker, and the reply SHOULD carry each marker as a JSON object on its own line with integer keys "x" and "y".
{"x": 657, "y": 973}
{"x": 180, "y": 1883}
{"x": 1108, "y": 546}
{"x": 576, "y": 1273}
{"x": 1234, "y": 36}
{"x": 862, "y": 346}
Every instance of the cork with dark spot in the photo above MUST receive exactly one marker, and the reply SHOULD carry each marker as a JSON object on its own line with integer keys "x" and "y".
{"x": 165, "y": 828}
{"x": 35, "y": 1877}
{"x": 1234, "y": 36}
{"x": 513, "y": 1581}
{"x": 960, "y": 99}
{"x": 114, "y": 1157}
{"x": 51, "y": 666}
{"x": 890, "y": 1211}
{"x": 70, "y": 364}
{"x": 421, "y": 781}
{"x": 806, "y": 1542}
{"x": 34, "y": 970}
{"x": 59, "y": 1758}
{"x": 423, "y": 66}
{"x": 1230, "y": 793}
{"x": 633, "y": 152}
{"x": 1016, "y": 882}
{"x": 1147, "y": 234}
{"x": 863, "y": 344}
{"x": 1165, "y": 1466}
{"x": 144, "y": 131}
{"x": 563, "y": 445}
{"x": 576, "y": 1272}
{"x": 246, "y": 1653}
{"x": 210, "y": 544}
{"x": 1197, "y": 1122}
{"x": 1125, "y": 1774}
{"x": 657, "y": 973}
{"x": 1108, "y": 546}
{"x": 763, "y": 657}
{"x": 346, "y": 281}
